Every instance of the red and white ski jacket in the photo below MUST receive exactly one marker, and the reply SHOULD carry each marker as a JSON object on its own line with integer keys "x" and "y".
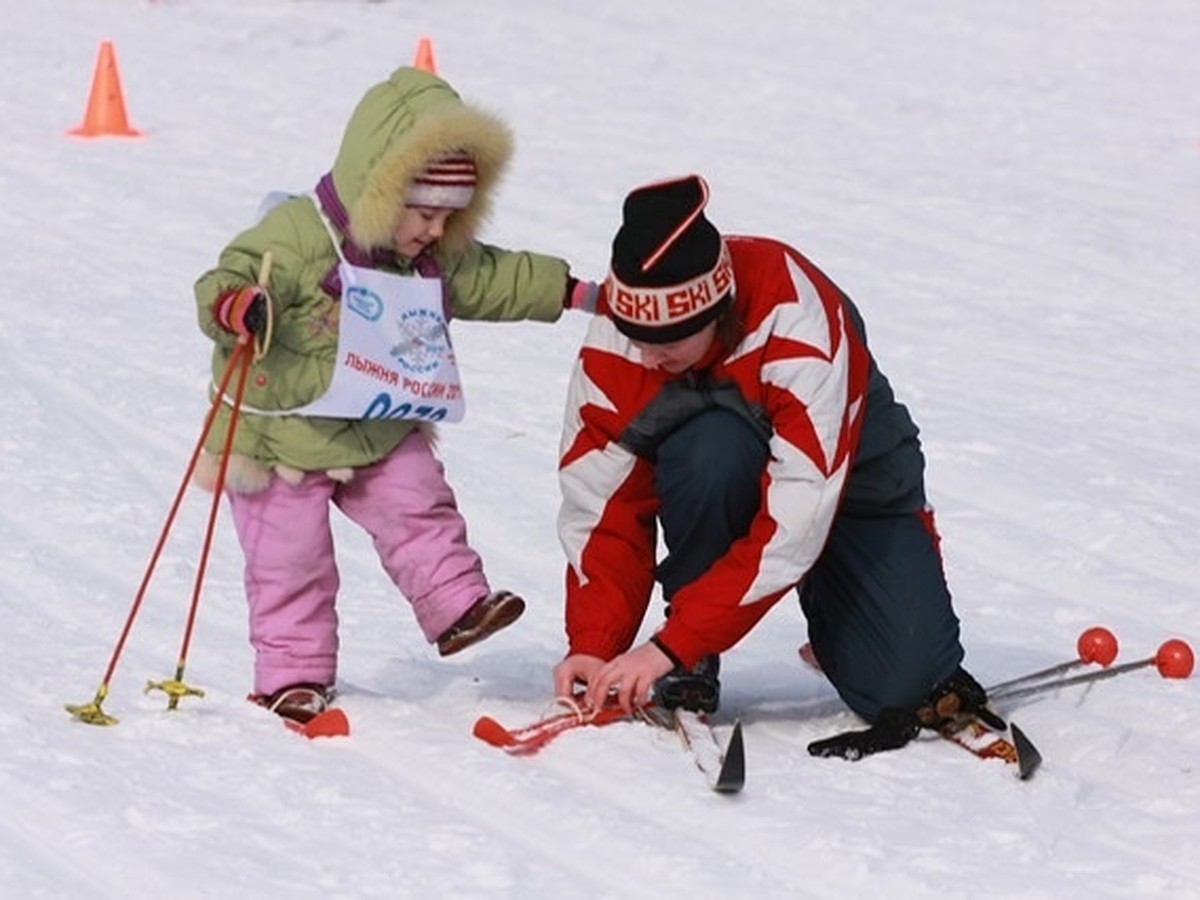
{"x": 802, "y": 364}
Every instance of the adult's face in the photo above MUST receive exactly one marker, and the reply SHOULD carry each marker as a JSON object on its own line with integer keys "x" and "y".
{"x": 678, "y": 356}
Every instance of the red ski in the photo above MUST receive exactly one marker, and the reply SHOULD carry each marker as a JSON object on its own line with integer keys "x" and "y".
{"x": 532, "y": 737}
{"x": 330, "y": 723}
{"x": 984, "y": 742}
{"x": 725, "y": 768}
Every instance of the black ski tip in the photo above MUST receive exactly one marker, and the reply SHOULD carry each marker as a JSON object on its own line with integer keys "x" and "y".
{"x": 732, "y": 776}
{"x": 1028, "y": 756}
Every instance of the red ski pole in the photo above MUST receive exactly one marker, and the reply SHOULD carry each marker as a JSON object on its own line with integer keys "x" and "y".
{"x": 239, "y": 360}
{"x": 176, "y": 688}
{"x": 92, "y": 713}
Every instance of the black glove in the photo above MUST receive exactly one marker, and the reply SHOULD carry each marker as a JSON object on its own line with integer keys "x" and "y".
{"x": 892, "y": 730}
{"x": 950, "y": 706}
{"x": 681, "y": 400}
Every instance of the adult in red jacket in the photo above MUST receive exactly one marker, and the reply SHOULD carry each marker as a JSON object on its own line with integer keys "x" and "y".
{"x": 727, "y": 395}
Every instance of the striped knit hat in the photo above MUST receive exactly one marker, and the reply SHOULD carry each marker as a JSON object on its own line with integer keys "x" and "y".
{"x": 671, "y": 271}
{"x": 448, "y": 182}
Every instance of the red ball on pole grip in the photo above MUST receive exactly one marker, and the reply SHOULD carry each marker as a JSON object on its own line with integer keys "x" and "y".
{"x": 1098, "y": 645}
{"x": 1175, "y": 659}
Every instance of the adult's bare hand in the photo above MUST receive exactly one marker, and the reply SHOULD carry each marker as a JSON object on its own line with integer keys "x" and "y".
{"x": 576, "y": 669}
{"x": 630, "y": 677}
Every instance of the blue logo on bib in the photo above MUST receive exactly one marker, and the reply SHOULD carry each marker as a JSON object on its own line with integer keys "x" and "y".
{"x": 365, "y": 302}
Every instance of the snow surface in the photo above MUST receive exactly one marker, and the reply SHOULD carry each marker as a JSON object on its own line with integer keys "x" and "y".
{"x": 1009, "y": 191}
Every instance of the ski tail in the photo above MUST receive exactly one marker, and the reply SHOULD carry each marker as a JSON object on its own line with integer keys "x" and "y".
{"x": 732, "y": 776}
{"x": 723, "y": 767}
{"x": 1029, "y": 758}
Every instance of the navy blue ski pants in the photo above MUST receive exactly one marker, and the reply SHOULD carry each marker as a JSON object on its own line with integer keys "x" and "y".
{"x": 879, "y": 613}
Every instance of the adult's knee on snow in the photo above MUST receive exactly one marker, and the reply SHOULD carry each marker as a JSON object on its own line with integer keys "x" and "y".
{"x": 902, "y": 686}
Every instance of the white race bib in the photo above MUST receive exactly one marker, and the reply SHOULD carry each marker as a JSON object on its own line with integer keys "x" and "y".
{"x": 394, "y": 356}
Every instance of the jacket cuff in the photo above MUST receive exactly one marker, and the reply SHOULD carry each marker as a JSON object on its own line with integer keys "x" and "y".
{"x": 686, "y": 646}
{"x": 222, "y": 308}
{"x": 667, "y": 651}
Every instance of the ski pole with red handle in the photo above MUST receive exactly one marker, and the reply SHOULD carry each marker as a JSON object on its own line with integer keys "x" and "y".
{"x": 1095, "y": 645}
{"x": 1174, "y": 659}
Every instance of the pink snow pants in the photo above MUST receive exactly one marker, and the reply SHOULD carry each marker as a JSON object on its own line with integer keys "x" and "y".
{"x": 404, "y": 503}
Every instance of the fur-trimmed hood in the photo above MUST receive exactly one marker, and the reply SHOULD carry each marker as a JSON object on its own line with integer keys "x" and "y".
{"x": 396, "y": 129}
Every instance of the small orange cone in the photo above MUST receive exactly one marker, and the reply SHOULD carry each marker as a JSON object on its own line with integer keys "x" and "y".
{"x": 106, "y": 104}
{"x": 424, "y": 58}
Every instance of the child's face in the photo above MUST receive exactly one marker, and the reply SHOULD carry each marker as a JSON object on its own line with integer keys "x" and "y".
{"x": 678, "y": 356}
{"x": 419, "y": 227}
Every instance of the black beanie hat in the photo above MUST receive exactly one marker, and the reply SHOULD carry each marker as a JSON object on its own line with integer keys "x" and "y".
{"x": 671, "y": 272}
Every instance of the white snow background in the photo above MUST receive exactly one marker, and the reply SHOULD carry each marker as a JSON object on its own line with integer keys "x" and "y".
{"x": 1009, "y": 191}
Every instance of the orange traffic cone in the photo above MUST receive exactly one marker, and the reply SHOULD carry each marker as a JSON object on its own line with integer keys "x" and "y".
{"x": 424, "y": 58}
{"x": 106, "y": 104}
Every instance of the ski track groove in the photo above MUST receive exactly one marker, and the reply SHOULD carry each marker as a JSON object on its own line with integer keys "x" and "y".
{"x": 636, "y": 822}
{"x": 535, "y": 830}
{"x": 72, "y": 865}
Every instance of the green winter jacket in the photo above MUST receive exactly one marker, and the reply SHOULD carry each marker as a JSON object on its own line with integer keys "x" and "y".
{"x": 398, "y": 126}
